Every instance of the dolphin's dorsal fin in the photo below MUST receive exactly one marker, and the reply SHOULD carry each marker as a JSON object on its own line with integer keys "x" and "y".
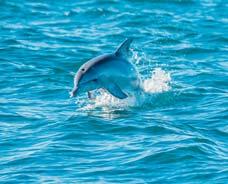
{"x": 124, "y": 48}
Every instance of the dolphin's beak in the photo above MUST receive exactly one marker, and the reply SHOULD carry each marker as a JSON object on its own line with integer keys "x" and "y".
{"x": 73, "y": 92}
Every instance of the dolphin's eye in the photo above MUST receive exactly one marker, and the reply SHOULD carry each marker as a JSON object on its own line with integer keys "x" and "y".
{"x": 83, "y": 69}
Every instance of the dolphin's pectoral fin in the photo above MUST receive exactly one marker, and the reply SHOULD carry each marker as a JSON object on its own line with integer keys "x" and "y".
{"x": 115, "y": 91}
{"x": 124, "y": 48}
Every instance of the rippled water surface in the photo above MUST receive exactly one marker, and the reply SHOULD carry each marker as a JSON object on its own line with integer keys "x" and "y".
{"x": 178, "y": 133}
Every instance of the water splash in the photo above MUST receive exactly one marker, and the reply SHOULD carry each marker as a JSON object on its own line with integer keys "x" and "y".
{"x": 158, "y": 82}
{"x": 153, "y": 82}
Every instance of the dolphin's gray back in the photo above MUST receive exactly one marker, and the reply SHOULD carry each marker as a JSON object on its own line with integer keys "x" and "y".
{"x": 118, "y": 55}
{"x": 109, "y": 62}
{"x": 98, "y": 60}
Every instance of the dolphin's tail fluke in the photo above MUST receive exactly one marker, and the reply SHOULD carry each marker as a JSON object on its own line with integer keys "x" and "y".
{"x": 124, "y": 48}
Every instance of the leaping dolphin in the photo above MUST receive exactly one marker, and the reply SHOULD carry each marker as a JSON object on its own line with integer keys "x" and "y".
{"x": 112, "y": 72}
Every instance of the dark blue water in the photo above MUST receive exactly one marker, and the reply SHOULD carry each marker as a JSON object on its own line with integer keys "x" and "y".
{"x": 177, "y": 134}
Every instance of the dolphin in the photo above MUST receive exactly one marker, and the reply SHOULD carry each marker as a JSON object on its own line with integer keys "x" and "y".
{"x": 111, "y": 72}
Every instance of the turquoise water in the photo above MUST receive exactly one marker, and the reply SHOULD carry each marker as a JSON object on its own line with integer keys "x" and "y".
{"x": 177, "y": 134}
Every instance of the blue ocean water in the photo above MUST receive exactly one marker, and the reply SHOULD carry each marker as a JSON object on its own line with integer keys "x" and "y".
{"x": 178, "y": 134}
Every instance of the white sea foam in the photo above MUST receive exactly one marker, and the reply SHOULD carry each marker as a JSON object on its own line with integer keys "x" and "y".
{"x": 158, "y": 82}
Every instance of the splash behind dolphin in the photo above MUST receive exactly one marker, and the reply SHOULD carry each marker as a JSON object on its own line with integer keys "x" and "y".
{"x": 112, "y": 72}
